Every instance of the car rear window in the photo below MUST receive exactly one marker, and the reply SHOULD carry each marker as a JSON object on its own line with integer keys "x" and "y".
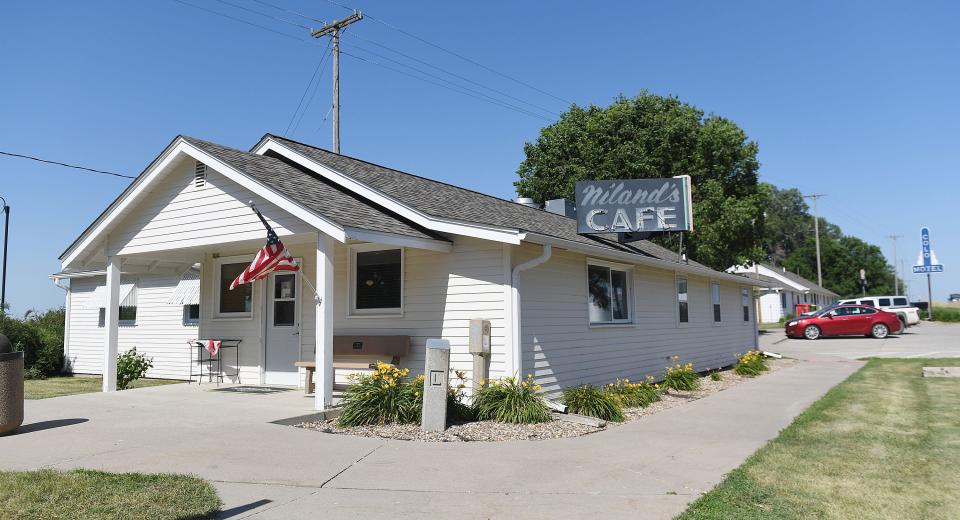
{"x": 884, "y": 302}
{"x": 900, "y": 301}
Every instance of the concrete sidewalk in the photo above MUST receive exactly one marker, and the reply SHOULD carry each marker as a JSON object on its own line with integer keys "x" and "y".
{"x": 651, "y": 468}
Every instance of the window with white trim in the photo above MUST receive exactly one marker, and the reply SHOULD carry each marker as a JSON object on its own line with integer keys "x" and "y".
{"x": 126, "y": 316}
{"x": 683, "y": 305}
{"x": 715, "y": 298}
{"x": 191, "y": 314}
{"x": 236, "y": 303}
{"x": 608, "y": 294}
{"x": 745, "y": 302}
{"x": 376, "y": 280}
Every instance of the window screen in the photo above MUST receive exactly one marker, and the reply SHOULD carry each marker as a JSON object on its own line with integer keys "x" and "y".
{"x": 682, "y": 303}
{"x": 237, "y": 300}
{"x": 378, "y": 279}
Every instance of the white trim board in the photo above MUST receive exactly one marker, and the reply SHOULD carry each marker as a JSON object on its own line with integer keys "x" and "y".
{"x": 160, "y": 167}
{"x": 498, "y": 234}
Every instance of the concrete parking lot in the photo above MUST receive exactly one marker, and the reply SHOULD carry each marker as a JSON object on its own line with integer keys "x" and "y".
{"x": 928, "y": 339}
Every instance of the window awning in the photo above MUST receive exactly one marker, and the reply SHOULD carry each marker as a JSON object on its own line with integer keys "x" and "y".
{"x": 128, "y": 296}
{"x": 187, "y": 291}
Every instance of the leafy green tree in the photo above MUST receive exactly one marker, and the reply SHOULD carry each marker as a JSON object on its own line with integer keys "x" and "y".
{"x": 787, "y": 222}
{"x": 651, "y": 136}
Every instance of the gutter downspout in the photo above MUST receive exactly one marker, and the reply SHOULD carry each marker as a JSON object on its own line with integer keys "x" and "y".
{"x": 66, "y": 324}
{"x": 515, "y": 305}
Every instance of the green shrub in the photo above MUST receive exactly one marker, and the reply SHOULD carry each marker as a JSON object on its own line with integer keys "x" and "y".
{"x": 457, "y": 410}
{"x": 40, "y": 337}
{"x": 384, "y": 396}
{"x": 751, "y": 364}
{"x": 631, "y": 395}
{"x": 682, "y": 378}
{"x": 716, "y": 376}
{"x": 946, "y": 314}
{"x": 130, "y": 367}
{"x": 511, "y": 401}
{"x": 590, "y": 400}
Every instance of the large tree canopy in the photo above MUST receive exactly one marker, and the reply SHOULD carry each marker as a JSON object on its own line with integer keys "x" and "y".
{"x": 651, "y": 136}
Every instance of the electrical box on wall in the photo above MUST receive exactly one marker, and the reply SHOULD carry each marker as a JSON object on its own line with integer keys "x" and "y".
{"x": 480, "y": 336}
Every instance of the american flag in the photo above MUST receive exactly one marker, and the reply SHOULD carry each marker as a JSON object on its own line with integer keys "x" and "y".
{"x": 272, "y": 257}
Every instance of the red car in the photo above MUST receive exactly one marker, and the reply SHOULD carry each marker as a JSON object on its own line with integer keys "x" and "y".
{"x": 844, "y": 320}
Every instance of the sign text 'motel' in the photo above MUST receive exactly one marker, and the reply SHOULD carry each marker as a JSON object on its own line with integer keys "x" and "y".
{"x": 634, "y": 205}
{"x": 927, "y": 263}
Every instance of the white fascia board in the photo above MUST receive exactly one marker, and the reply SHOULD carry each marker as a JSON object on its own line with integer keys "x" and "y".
{"x": 773, "y": 274}
{"x": 497, "y": 234}
{"x": 393, "y": 239}
{"x": 181, "y": 146}
{"x": 632, "y": 258}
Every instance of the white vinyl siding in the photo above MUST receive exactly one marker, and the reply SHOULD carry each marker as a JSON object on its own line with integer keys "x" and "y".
{"x": 177, "y": 213}
{"x": 561, "y": 349}
{"x": 159, "y": 331}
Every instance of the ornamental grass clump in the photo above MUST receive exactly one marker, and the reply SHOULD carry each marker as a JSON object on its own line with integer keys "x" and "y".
{"x": 592, "y": 401}
{"x": 680, "y": 377}
{"x": 632, "y": 395}
{"x": 387, "y": 395}
{"x": 510, "y": 400}
{"x": 751, "y": 364}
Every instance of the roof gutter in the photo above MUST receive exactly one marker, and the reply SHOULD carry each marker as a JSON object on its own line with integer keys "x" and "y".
{"x": 634, "y": 258}
{"x": 516, "y": 353}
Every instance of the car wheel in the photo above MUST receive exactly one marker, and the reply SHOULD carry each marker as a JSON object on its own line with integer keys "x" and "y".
{"x": 879, "y": 331}
{"x": 811, "y": 332}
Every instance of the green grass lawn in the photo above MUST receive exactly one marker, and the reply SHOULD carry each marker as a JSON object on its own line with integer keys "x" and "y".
{"x": 771, "y": 326}
{"x": 884, "y": 444}
{"x": 88, "y": 494}
{"x": 69, "y": 385}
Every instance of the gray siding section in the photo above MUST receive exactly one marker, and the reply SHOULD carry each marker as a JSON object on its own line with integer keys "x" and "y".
{"x": 562, "y": 349}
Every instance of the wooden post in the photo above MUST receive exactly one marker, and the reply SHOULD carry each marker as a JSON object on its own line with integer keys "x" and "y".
{"x": 324, "y": 313}
{"x": 111, "y": 324}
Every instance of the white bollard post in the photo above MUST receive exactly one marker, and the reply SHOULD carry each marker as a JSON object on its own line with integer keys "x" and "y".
{"x": 435, "y": 384}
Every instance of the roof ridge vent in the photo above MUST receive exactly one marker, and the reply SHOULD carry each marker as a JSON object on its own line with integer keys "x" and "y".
{"x": 199, "y": 175}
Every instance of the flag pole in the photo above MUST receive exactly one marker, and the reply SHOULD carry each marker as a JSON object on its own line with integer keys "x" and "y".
{"x": 316, "y": 296}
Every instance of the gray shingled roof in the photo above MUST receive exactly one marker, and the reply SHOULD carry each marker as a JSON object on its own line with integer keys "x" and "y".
{"x": 442, "y": 200}
{"x": 313, "y": 192}
{"x": 796, "y": 278}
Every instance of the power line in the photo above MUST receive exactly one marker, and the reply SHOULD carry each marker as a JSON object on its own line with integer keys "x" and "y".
{"x": 284, "y": 9}
{"x": 445, "y": 71}
{"x": 313, "y": 78}
{"x": 261, "y": 13}
{"x": 66, "y": 165}
{"x": 459, "y": 90}
{"x": 241, "y": 20}
{"x": 405, "y": 73}
{"x": 456, "y": 54}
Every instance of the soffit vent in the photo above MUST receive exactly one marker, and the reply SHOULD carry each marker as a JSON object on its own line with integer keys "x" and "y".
{"x": 199, "y": 175}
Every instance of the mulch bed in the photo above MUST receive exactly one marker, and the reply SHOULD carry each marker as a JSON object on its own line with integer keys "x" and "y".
{"x": 491, "y": 431}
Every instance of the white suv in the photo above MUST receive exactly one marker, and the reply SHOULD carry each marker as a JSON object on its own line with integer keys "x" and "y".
{"x": 899, "y": 305}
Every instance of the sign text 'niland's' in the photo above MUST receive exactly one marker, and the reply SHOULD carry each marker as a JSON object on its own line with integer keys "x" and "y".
{"x": 634, "y": 205}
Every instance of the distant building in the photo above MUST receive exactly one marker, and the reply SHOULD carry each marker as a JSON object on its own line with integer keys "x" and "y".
{"x": 786, "y": 291}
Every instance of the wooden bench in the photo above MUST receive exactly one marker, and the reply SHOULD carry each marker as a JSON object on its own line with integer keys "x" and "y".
{"x": 360, "y": 353}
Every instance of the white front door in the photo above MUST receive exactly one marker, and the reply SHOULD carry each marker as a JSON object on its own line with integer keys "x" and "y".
{"x": 283, "y": 330}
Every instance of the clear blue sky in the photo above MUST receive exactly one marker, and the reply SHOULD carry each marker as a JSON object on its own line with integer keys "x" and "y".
{"x": 855, "y": 99}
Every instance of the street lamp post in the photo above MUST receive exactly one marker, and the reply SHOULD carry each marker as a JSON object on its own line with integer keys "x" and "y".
{"x": 3, "y": 277}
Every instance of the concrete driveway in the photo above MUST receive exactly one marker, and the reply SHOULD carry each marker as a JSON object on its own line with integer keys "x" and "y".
{"x": 928, "y": 339}
{"x": 651, "y": 468}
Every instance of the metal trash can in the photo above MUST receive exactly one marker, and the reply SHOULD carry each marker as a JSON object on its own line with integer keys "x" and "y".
{"x": 11, "y": 387}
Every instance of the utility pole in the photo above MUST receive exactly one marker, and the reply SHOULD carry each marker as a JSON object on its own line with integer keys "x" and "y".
{"x": 816, "y": 232}
{"x": 333, "y": 29}
{"x": 896, "y": 284}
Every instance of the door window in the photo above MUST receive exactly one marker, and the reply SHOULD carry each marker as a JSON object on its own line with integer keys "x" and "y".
{"x": 284, "y": 300}
{"x": 884, "y": 302}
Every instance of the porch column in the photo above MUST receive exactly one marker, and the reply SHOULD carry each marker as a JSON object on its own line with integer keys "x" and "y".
{"x": 324, "y": 340}
{"x": 111, "y": 323}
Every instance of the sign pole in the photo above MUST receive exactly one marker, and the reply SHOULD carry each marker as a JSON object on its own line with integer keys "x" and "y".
{"x": 929, "y": 298}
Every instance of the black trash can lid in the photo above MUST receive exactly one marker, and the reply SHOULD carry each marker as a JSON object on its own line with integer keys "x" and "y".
{"x": 5, "y": 345}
